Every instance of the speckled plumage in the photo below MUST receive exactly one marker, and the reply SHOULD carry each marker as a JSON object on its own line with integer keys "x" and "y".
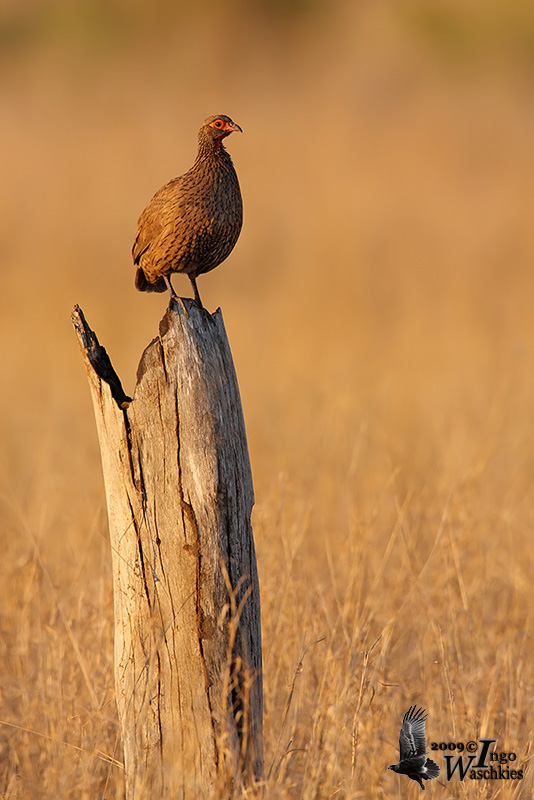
{"x": 193, "y": 222}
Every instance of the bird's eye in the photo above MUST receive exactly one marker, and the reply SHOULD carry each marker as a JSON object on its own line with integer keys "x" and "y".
{"x": 218, "y": 123}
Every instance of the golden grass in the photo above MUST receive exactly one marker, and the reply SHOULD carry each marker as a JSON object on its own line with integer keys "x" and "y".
{"x": 379, "y": 306}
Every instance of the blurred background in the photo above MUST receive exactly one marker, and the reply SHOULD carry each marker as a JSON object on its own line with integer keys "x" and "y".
{"x": 378, "y": 305}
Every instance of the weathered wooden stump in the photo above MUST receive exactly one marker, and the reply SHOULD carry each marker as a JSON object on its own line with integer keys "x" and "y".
{"x": 187, "y": 609}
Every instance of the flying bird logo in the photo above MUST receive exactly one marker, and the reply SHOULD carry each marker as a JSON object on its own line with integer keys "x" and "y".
{"x": 412, "y": 745}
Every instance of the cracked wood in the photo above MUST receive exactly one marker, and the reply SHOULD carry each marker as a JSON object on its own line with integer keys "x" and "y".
{"x": 186, "y": 597}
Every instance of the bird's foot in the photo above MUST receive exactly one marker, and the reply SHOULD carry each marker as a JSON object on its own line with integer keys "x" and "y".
{"x": 174, "y": 296}
{"x": 197, "y": 299}
{"x": 184, "y": 309}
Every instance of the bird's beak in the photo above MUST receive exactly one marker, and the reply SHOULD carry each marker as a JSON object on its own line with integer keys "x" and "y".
{"x": 234, "y": 127}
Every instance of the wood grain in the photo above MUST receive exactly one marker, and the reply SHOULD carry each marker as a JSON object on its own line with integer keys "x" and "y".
{"x": 187, "y": 608}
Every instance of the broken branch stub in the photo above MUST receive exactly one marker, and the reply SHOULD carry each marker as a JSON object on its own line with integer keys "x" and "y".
{"x": 187, "y": 609}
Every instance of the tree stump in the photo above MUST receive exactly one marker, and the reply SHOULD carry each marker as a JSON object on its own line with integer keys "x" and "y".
{"x": 186, "y": 595}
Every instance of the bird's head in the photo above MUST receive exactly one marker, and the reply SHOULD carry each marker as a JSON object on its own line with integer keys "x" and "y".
{"x": 216, "y": 128}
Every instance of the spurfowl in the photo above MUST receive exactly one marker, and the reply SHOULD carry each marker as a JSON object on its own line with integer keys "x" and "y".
{"x": 193, "y": 222}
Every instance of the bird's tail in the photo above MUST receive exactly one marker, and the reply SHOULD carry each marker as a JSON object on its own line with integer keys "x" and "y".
{"x": 431, "y": 769}
{"x": 143, "y": 285}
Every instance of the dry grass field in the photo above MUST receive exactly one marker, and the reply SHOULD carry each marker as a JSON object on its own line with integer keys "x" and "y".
{"x": 380, "y": 308}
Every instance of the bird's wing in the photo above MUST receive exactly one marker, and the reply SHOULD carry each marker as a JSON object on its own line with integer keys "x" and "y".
{"x": 412, "y": 737}
{"x": 158, "y": 218}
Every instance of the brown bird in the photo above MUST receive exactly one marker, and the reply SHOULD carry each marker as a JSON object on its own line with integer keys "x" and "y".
{"x": 193, "y": 222}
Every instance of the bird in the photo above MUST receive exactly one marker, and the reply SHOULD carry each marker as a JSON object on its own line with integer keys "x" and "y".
{"x": 412, "y": 745}
{"x": 193, "y": 222}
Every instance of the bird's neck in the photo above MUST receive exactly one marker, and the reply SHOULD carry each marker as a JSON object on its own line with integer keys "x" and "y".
{"x": 212, "y": 152}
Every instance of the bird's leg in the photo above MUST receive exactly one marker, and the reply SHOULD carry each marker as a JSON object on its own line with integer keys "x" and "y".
{"x": 171, "y": 289}
{"x": 174, "y": 296}
{"x": 195, "y": 288}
